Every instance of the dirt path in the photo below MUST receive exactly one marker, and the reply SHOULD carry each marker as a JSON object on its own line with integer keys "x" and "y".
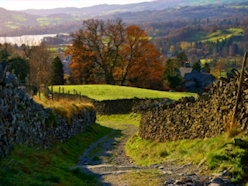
{"x": 106, "y": 160}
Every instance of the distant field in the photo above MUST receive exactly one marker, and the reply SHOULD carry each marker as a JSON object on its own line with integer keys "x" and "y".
{"x": 44, "y": 21}
{"x": 235, "y": 33}
{"x": 113, "y": 92}
{"x": 234, "y": 59}
{"x": 19, "y": 17}
{"x": 239, "y": 6}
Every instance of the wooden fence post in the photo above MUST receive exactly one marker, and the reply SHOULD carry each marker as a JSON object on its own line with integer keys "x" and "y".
{"x": 52, "y": 91}
{"x": 59, "y": 94}
{"x": 63, "y": 93}
{"x": 241, "y": 79}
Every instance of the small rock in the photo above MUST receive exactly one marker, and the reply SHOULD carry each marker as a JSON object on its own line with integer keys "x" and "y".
{"x": 226, "y": 173}
{"x": 217, "y": 182}
{"x": 161, "y": 167}
{"x": 167, "y": 172}
{"x": 169, "y": 182}
{"x": 191, "y": 174}
{"x": 187, "y": 179}
{"x": 179, "y": 182}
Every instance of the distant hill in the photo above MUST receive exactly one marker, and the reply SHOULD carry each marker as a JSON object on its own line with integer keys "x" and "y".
{"x": 106, "y": 9}
{"x": 15, "y": 19}
{"x": 49, "y": 21}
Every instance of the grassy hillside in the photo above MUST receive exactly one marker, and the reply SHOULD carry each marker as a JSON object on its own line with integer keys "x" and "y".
{"x": 113, "y": 92}
{"x": 53, "y": 166}
{"x": 15, "y": 19}
{"x": 234, "y": 33}
{"x": 59, "y": 19}
{"x": 217, "y": 154}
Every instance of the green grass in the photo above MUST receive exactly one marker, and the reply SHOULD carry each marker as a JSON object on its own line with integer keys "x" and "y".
{"x": 29, "y": 166}
{"x": 223, "y": 34}
{"x": 209, "y": 60}
{"x": 113, "y": 92}
{"x": 12, "y": 26}
{"x": 117, "y": 121}
{"x": 219, "y": 153}
{"x": 19, "y": 17}
{"x": 45, "y": 21}
{"x": 219, "y": 35}
{"x": 239, "y": 6}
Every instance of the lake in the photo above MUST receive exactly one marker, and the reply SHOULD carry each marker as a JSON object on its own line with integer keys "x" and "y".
{"x": 27, "y": 39}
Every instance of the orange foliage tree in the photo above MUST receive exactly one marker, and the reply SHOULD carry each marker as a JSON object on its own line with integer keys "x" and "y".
{"x": 141, "y": 63}
{"x": 119, "y": 55}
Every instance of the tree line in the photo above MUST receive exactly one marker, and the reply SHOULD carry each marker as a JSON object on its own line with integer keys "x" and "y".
{"x": 108, "y": 52}
{"x": 111, "y": 53}
{"x": 34, "y": 65}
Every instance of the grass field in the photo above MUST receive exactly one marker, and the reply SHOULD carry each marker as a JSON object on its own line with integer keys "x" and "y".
{"x": 45, "y": 21}
{"x": 19, "y": 17}
{"x": 219, "y": 35}
{"x": 113, "y": 92}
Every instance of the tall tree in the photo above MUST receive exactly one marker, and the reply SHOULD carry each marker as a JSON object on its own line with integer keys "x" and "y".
{"x": 207, "y": 67}
{"x": 40, "y": 65}
{"x": 124, "y": 56}
{"x": 100, "y": 43}
{"x": 197, "y": 66}
{"x": 140, "y": 62}
{"x": 20, "y": 65}
{"x": 57, "y": 75}
{"x": 4, "y": 53}
{"x": 172, "y": 74}
{"x": 181, "y": 58}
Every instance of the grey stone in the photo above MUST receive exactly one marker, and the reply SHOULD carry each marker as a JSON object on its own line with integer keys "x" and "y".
{"x": 239, "y": 142}
{"x": 169, "y": 182}
{"x": 217, "y": 182}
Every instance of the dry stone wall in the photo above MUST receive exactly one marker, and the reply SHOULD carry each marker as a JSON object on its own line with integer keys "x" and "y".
{"x": 23, "y": 121}
{"x": 190, "y": 118}
{"x": 125, "y": 106}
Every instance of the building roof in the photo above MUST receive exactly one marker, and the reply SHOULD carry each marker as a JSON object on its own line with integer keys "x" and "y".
{"x": 185, "y": 70}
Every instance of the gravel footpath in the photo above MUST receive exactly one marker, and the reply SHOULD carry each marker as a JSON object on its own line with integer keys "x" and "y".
{"x": 106, "y": 160}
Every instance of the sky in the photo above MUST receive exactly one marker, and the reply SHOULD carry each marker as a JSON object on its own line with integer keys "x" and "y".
{"x": 47, "y": 4}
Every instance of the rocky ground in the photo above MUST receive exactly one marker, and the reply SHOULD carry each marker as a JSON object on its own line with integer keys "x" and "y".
{"x": 106, "y": 160}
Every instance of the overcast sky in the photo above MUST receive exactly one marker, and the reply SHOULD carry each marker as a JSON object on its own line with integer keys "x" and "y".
{"x": 46, "y": 4}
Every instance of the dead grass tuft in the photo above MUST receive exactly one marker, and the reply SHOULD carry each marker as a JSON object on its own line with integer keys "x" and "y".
{"x": 231, "y": 127}
{"x": 66, "y": 108}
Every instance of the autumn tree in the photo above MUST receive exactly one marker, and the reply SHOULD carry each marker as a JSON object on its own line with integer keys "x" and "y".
{"x": 57, "y": 74}
{"x": 218, "y": 68}
{"x": 96, "y": 45}
{"x": 122, "y": 55}
{"x": 140, "y": 63}
{"x": 40, "y": 65}
{"x": 82, "y": 62}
